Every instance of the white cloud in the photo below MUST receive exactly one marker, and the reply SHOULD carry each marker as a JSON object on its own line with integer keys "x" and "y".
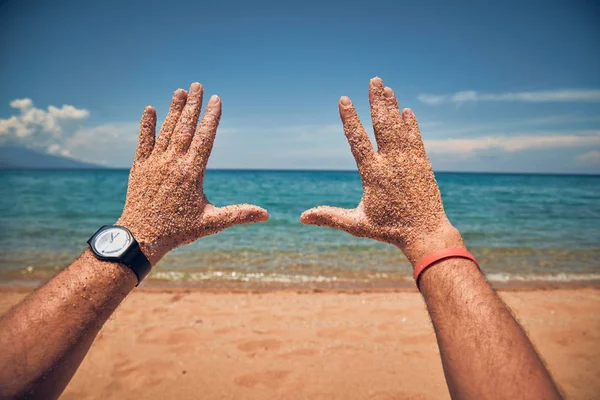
{"x": 54, "y": 149}
{"x": 111, "y": 144}
{"x": 507, "y": 125}
{"x": 560, "y": 95}
{"x": 590, "y": 159}
{"x": 57, "y": 150}
{"x": 21, "y": 103}
{"x": 6, "y": 125}
{"x": 57, "y": 130}
{"x": 467, "y": 146}
{"x": 432, "y": 99}
{"x": 462, "y": 97}
{"x": 68, "y": 112}
{"x": 42, "y": 129}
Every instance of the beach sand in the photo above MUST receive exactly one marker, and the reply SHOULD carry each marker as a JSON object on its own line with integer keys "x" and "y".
{"x": 194, "y": 343}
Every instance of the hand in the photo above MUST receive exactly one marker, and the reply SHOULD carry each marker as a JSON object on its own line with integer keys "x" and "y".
{"x": 166, "y": 206}
{"x": 401, "y": 202}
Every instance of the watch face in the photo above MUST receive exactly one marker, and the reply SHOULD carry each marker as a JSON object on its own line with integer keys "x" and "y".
{"x": 112, "y": 242}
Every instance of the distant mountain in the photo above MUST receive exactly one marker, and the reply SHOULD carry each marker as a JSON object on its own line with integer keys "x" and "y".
{"x": 15, "y": 157}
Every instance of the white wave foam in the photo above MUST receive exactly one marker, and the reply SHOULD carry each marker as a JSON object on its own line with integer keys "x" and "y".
{"x": 287, "y": 278}
{"x": 240, "y": 277}
{"x": 560, "y": 277}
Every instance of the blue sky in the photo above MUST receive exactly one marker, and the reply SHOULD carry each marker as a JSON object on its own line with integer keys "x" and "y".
{"x": 513, "y": 86}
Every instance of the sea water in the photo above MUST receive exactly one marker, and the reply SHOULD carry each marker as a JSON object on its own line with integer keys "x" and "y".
{"x": 543, "y": 228}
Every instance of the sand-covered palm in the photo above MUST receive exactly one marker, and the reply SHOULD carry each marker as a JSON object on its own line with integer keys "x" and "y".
{"x": 166, "y": 206}
{"x": 401, "y": 201}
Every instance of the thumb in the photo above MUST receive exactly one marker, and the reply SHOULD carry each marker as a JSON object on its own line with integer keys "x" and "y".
{"x": 239, "y": 214}
{"x": 333, "y": 217}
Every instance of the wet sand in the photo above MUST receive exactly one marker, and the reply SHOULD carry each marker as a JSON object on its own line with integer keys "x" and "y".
{"x": 196, "y": 343}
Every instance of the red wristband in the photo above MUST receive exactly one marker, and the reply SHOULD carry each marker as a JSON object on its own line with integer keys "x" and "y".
{"x": 438, "y": 256}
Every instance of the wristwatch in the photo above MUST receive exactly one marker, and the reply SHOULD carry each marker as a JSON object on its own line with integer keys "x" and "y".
{"x": 116, "y": 243}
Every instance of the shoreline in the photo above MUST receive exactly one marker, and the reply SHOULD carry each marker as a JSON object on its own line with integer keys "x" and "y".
{"x": 169, "y": 287}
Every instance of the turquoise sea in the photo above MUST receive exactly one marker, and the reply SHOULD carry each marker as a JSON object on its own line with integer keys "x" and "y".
{"x": 523, "y": 228}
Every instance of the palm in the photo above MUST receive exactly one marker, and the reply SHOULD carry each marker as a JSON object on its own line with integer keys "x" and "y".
{"x": 401, "y": 200}
{"x": 166, "y": 206}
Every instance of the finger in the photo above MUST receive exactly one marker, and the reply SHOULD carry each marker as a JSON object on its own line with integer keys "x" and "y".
{"x": 392, "y": 105}
{"x": 147, "y": 133}
{"x": 334, "y": 217}
{"x": 164, "y": 136}
{"x": 401, "y": 130}
{"x": 184, "y": 130}
{"x": 359, "y": 141}
{"x": 203, "y": 140}
{"x": 383, "y": 126}
{"x": 224, "y": 217}
{"x": 413, "y": 135}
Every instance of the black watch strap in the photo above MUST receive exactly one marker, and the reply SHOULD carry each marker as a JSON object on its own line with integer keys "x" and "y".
{"x": 133, "y": 258}
{"x": 137, "y": 261}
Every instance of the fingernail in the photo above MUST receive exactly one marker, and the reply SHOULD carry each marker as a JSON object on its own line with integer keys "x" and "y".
{"x": 377, "y": 82}
{"x": 388, "y": 92}
{"x": 345, "y": 101}
{"x": 180, "y": 93}
{"x": 214, "y": 100}
{"x": 195, "y": 88}
{"x": 407, "y": 112}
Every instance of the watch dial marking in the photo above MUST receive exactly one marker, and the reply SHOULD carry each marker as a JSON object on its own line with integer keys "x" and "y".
{"x": 112, "y": 242}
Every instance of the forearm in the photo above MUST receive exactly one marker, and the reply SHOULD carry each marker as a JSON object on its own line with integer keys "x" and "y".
{"x": 46, "y": 336}
{"x": 485, "y": 352}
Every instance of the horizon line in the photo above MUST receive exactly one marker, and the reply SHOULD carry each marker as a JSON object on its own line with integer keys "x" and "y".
{"x": 104, "y": 168}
